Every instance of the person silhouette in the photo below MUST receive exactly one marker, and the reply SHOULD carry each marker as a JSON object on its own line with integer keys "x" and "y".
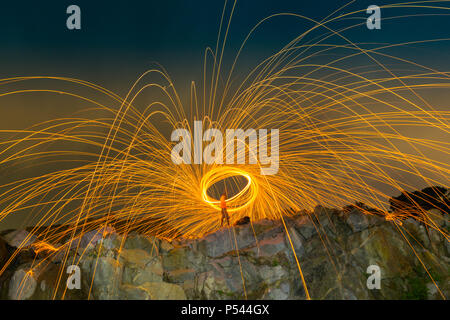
{"x": 223, "y": 206}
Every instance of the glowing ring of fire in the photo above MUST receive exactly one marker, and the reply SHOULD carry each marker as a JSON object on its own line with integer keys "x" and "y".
{"x": 239, "y": 201}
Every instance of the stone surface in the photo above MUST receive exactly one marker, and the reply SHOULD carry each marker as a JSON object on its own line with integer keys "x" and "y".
{"x": 332, "y": 248}
{"x": 153, "y": 291}
{"x": 22, "y": 285}
{"x": 19, "y": 238}
{"x": 357, "y": 221}
{"x": 4, "y": 254}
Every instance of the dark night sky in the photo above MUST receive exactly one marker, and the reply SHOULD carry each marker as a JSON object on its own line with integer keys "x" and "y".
{"x": 119, "y": 40}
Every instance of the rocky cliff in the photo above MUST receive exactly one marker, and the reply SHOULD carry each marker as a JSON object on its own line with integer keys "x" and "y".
{"x": 254, "y": 261}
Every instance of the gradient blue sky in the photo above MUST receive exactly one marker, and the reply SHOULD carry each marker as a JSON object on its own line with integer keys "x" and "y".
{"x": 119, "y": 40}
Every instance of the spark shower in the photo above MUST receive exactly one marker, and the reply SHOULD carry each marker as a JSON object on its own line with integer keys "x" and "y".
{"x": 350, "y": 118}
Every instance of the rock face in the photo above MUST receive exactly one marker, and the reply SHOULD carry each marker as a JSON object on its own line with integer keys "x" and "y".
{"x": 254, "y": 261}
{"x": 3, "y": 252}
{"x": 19, "y": 238}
